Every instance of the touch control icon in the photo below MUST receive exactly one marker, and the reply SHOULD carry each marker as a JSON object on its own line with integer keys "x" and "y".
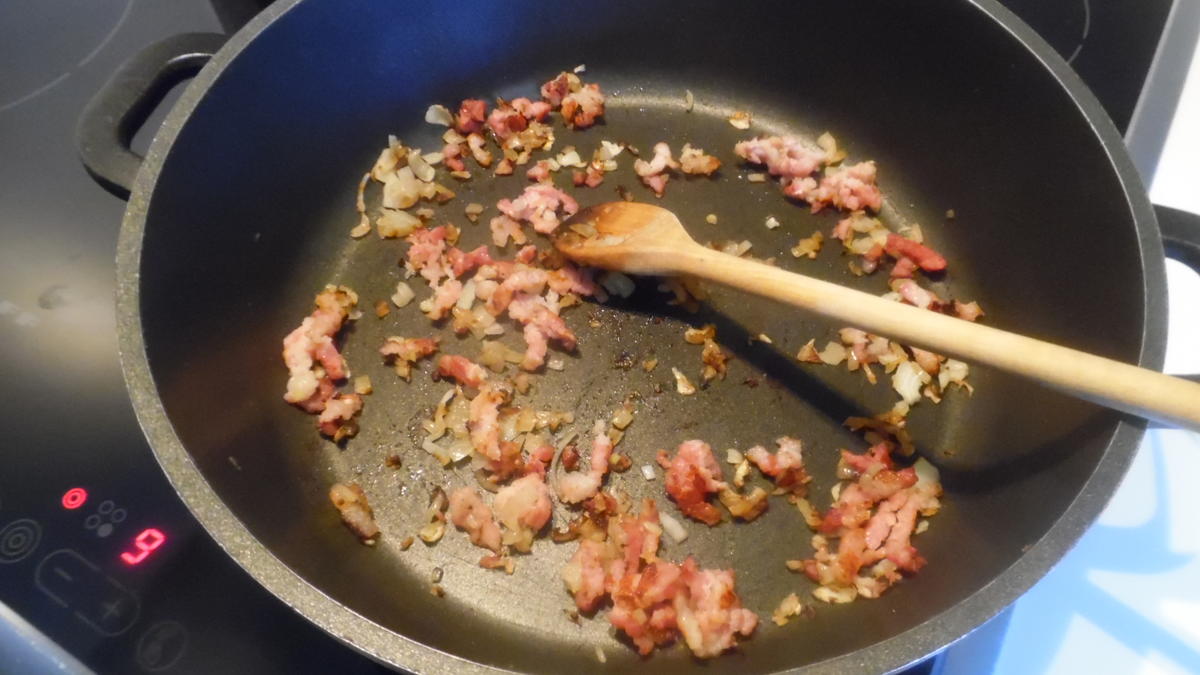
{"x": 18, "y": 539}
{"x": 161, "y": 646}
{"x": 76, "y": 584}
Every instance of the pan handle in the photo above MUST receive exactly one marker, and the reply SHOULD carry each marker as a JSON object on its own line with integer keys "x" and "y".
{"x": 1181, "y": 239}
{"x": 110, "y": 119}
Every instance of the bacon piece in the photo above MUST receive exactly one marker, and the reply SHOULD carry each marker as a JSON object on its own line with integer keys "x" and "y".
{"x": 696, "y": 162}
{"x": 785, "y": 467}
{"x": 581, "y": 108}
{"x": 337, "y": 419}
{"x": 504, "y": 228}
{"x": 967, "y": 310}
{"x": 478, "y": 146}
{"x": 311, "y": 357}
{"x": 507, "y": 121}
{"x": 527, "y": 254}
{"x": 444, "y": 297}
{"x": 461, "y": 263}
{"x": 584, "y": 574}
{"x": 554, "y": 91}
{"x": 522, "y": 279}
{"x": 465, "y": 371}
{"x": 351, "y": 503}
{"x": 926, "y": 258}
{"x": 914, "y": 295}
{"x": 468, "y": 512}
{"x": 523, "y": 507}
{"x": 482, "y": 422}
{"x": 654, "y": 173}
{"x": 692, "y": 476}
{"x": 904, "y": 268}
{"x": 576, "y": 486}
{"x": 471, "y": 115}
{"x": 844, "y": 229}
{"x": 452, "y": 157}
{"x": 538, "y": 460}
{"x": 425, "y": 250}
{"x": 532, "y": 110}
{"x": 539, "y": 205}
{"x": 784, "y": 156}
{"x": 572, "y": 279}
{"x": 710, "y": 615}
{"x": 539, "y": 172}
{"x": 850, "y": 188}
{"x": 406, "y": 351}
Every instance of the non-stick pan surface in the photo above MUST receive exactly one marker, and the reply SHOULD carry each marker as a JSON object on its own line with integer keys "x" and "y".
{"x": 242, "y": 212}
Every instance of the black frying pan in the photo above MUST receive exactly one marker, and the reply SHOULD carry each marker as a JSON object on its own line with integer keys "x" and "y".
{"x": 240, "y": 212}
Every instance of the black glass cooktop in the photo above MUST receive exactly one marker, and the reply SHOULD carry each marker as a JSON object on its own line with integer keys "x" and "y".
{"x": 96, "y": 551}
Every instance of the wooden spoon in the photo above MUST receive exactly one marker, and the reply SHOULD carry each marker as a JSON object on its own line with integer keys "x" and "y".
{"x": 647, "y": 239}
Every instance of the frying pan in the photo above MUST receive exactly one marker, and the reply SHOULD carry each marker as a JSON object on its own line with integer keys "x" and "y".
{"x": 240, "y": 212}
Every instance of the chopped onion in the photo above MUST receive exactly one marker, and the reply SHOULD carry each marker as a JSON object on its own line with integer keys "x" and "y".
{"x": 833, "y": 354}
{"x": 579, "y": 69}
{"x": 672, "y": 527}
{"x": 740, "y": 120}
{"x": 473, "y": 210}
{"x": 609, "y": 150}
{"x": 756, "y": 177}
{"x": 838, "y": 596}
{"x": 393, "y": 224}
{"x": 467, "y": 297}
{"x": 555, "y": 364}
{"x": 907, "y": 381}
{"x": 711, "y": 219}
{"x": 433, "y": 158}
{"x": 403, "y": 295}
{"x": 400, "y": 190}
{"x": 954, "y": 371}
{"x": 617, "y": 284}
{"x": 772, "y": 222}
{"x": 570, "y": 157}
{"x": 733, "y": 456}
{"x": 927, "y": 474}
{"x": 439, "y": 114}
{"x": 647, "y": 472}
{"x": 363, "y": 228}
{"x": 682, "y": 384}
{"x": 362, "y": 384}
{"x": 689, "y": 101}
{"x": 420, "y": 168}
{"x": 622, "y": 418}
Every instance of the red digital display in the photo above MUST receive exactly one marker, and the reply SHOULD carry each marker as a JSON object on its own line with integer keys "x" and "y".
{"x": 147, "y": 541}
{"x": 74, "y": 498}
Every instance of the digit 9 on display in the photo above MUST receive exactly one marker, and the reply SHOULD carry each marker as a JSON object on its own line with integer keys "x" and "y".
{"x": 148, "y": 541}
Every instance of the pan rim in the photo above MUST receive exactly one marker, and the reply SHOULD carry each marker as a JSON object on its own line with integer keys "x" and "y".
{"x": 396, "y": 650}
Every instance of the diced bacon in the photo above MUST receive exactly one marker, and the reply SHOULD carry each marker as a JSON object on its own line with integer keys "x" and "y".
{"x": 527, "y": 254}
{"x": 539, "y": 459}
{"x": 710, "y": 615}
{"x": 469, "y": 513}
{"x": 926, "y": 258}
{"x": 337, "y": 419}
{"x": 876, "y": 458}
{"x": 904, "y": 268}
{"x": 784, "y": 156}
{"x": 539, "y": 205}
{"x": 523, "y": 279}
{"x": 843, "y": 229}
{"x": 461, "y": 263}
{"x": 554, "y": 91}
{"x": 444, "y": 297}
{"x": 452, "y": 157}
{"x": 654, "y": 173}
{"x": 535, "y": 348}
{"x": 309, "y": 349}
{"x": 507, "y": 121}
{"x": 471, "y": 115}
{"x": 571, "y": 279}
{"x": 351, "y": 503}
{"x": 967, "y": 310}
{"x": 576, "y": 486}
{"x": 504, "y": 228}
{"x": 592, "y": 176}
{"x": 584, "y": 575}
{"x": 528, "y": 309}
{"x": 532, "y": 110}
{"x": 406, "y": 351}
{"x": 539, "y": 172}
{"x": 850, "y": 188}
{"x": 695, "y": 161}
{"x": 785, "y": 467}
{"x": 643, "y": 605}
{"x": 800, "y": 188}
{"x": 928, "y": 361}
{"x": 460, "y": 368}
{"x": 693, "y": 475}
{"x": 914, "y": 295}
{"x": 581, "y": 108}
{"x": 425, "y": 250}
{"x": 523, "y": 507}
{"x": 483, "y": 422}
{"x": 657, "y": 183}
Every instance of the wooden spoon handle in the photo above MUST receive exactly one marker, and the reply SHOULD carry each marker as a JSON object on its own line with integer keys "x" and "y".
{"x": 1121, "y": 386}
